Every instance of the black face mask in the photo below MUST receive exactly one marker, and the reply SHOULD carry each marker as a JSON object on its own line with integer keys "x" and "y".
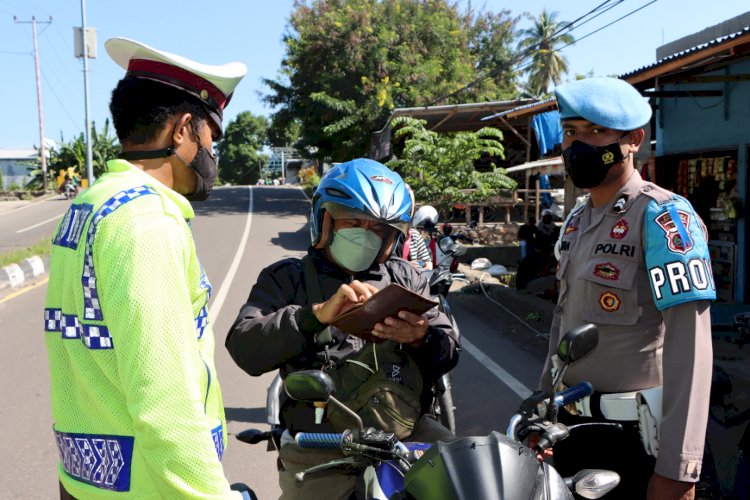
{"x": 203, "y": 164}
{"x": 588, "y": 165}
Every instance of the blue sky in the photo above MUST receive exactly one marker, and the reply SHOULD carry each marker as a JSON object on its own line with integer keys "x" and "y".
{"x": 250, "y": 31}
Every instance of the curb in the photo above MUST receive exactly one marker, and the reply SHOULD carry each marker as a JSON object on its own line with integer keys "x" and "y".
{"x": 16, "y": 275}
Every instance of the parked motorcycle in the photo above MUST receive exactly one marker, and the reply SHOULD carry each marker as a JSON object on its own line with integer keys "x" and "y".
{"x": 492, "y": 467}
{"x": 441, "y": 278}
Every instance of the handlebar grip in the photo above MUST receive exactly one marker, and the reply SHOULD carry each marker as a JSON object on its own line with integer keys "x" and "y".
{"x": 318, "y": 440}
{"x": 573, "y": 394}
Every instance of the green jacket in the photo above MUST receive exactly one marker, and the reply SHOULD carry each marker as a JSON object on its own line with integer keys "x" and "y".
{"x": 135, "y": 400}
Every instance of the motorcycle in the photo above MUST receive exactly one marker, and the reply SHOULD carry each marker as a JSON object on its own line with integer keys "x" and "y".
{"x": 492, "y": 467}
{"x": 440, "y": 279}
{"x": 68, "y": 190}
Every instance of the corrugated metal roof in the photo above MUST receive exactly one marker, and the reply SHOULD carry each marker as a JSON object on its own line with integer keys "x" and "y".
{"x": 687, "y": 52}
{"x": 454, "y": 117}
{"x": 548, "y": 166}
{"x": 531, "y": 106}
{"x": 18, "y": 154}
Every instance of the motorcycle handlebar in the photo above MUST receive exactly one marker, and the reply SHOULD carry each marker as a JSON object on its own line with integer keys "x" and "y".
{"x": 318, "y": 440}
{"x": 573, "y": 394}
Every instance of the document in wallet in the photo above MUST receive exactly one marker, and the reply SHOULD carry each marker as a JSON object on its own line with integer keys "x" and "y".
{"x": 388, "y": 302}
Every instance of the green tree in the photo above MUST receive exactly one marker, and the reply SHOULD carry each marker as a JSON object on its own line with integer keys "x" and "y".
{"x": 440, "y": 167}
{"x": 104, "y": 147}
{"x": 348, "y": 63}
{"x": 285, "y": 132}
{"x": 542, "y": 40}
{"x": 240, "y": 150}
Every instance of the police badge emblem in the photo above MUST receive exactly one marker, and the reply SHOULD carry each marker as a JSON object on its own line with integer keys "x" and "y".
{"x": 619, "y": 230}
{"x": 609, "y": 302}
{"x": 608, "y": 157}
{"x": 672, "y": 234}
{"x": 607, "y": 271}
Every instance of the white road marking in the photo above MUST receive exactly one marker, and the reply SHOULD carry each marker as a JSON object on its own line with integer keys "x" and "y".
{"x": 506, "y": 378}
{"x": 30, "y": 204}
{"x": 40, "y": 224}
{"x": 213, "y": 311}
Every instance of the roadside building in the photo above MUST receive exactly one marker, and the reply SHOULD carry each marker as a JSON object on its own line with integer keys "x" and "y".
{"x": 700, "y": 90}
{"x": 16, "y": 165}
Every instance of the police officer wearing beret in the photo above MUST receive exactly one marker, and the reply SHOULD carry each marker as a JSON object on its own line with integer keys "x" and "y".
{"x": 634, "y": 261}
{"x": 136, "y": 405}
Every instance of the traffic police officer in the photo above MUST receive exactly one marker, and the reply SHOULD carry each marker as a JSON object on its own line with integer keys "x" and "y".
{"x": 634, "y": 261}
{"x": 137, "y": 409}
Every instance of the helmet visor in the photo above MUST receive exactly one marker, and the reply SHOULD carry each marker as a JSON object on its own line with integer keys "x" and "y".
{"x": 342, "y": 213}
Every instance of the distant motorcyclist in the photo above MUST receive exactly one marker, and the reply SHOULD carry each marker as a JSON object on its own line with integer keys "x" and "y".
{"x": 358, "y": 209}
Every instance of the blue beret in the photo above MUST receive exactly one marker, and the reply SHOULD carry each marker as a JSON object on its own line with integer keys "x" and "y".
{"x": 609, "y": 102}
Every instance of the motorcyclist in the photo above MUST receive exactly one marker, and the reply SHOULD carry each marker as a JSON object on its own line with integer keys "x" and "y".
{"x": 358, "y": 210}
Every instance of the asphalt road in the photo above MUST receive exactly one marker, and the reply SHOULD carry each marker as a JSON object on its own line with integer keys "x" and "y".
{"x": 238, "y": 232}
{"x": 28, "y": 223}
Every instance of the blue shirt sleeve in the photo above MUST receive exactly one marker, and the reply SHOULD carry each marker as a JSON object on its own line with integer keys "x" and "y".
{"x": 677, "y": 257}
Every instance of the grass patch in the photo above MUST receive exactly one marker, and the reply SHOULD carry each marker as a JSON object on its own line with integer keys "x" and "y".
{"x": 40, "y": 248}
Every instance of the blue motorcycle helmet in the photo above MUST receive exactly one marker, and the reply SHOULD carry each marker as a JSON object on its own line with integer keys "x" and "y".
{"x": 360, "y": 189}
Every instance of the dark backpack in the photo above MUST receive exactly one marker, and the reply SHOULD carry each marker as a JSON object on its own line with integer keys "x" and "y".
{"x": 382, "y": 384}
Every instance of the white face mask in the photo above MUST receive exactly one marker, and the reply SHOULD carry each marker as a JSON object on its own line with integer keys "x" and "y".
{"x": 355, "y": 248}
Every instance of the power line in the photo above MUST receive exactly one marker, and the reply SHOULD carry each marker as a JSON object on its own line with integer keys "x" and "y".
{"x": 59, "y": 80}
{"x": 57, "y": 97}
{"x": 43, "y": 156}
{"x": 568, "y": 29}
{"x": 601, "y": 28}
{"x": 523, "y": 54}
{"x": 16, "y": 7}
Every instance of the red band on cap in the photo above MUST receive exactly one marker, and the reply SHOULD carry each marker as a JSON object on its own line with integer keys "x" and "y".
{"x": 173, "y": 75}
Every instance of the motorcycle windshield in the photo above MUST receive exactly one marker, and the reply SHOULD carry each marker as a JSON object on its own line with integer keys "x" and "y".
{"x": 491, "y": 467}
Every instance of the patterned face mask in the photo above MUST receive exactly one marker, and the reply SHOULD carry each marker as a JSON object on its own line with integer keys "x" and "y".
{"x": 355, "y": 248}
{"x": 588, "y": 165}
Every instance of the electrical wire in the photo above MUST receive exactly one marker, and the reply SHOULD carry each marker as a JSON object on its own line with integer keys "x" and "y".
{"x": 67, "y": 78}
{"x": 59, "y": 101}
{"x": 525, "y": 53}
{"x": 534, "y": 330}
{"x": 568, "y": 28}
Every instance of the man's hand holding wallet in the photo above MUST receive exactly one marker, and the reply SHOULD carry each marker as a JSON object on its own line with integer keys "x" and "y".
{"x": 393, "y": 313}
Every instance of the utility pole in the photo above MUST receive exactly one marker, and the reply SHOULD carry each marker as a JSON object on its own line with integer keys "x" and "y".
{"x": 42, "y": 148}
{"x": 85, "y": 54}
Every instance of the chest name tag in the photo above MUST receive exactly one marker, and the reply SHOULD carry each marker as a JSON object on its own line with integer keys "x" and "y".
{"x": 615, "y": 249}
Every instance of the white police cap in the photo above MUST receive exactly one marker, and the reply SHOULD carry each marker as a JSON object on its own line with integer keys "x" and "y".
{"x": 212, "y": 85}
{"x": 609, "y": 102}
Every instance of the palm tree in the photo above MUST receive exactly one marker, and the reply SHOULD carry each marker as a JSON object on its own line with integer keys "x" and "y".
{"x": 541, "y": 42}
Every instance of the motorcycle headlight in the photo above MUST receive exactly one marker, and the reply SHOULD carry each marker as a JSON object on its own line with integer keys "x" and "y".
{"x": 595, "y": 483}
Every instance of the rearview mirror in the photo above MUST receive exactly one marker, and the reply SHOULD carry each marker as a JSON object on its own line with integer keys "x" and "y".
{"x": 577, "y": 343}
{"x": 309, "y": 385}
{"x": 446, "y": 244}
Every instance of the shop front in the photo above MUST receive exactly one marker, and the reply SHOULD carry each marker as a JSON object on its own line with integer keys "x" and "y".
{"x": 701, "y": 96}
{"x": 708, "y": 179}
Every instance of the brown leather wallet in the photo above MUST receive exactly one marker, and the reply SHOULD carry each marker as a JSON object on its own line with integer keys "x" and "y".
{"x": 388, "y": 302}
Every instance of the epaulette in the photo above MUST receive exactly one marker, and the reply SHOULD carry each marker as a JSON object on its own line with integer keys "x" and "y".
{"x": 657, "y": 193}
